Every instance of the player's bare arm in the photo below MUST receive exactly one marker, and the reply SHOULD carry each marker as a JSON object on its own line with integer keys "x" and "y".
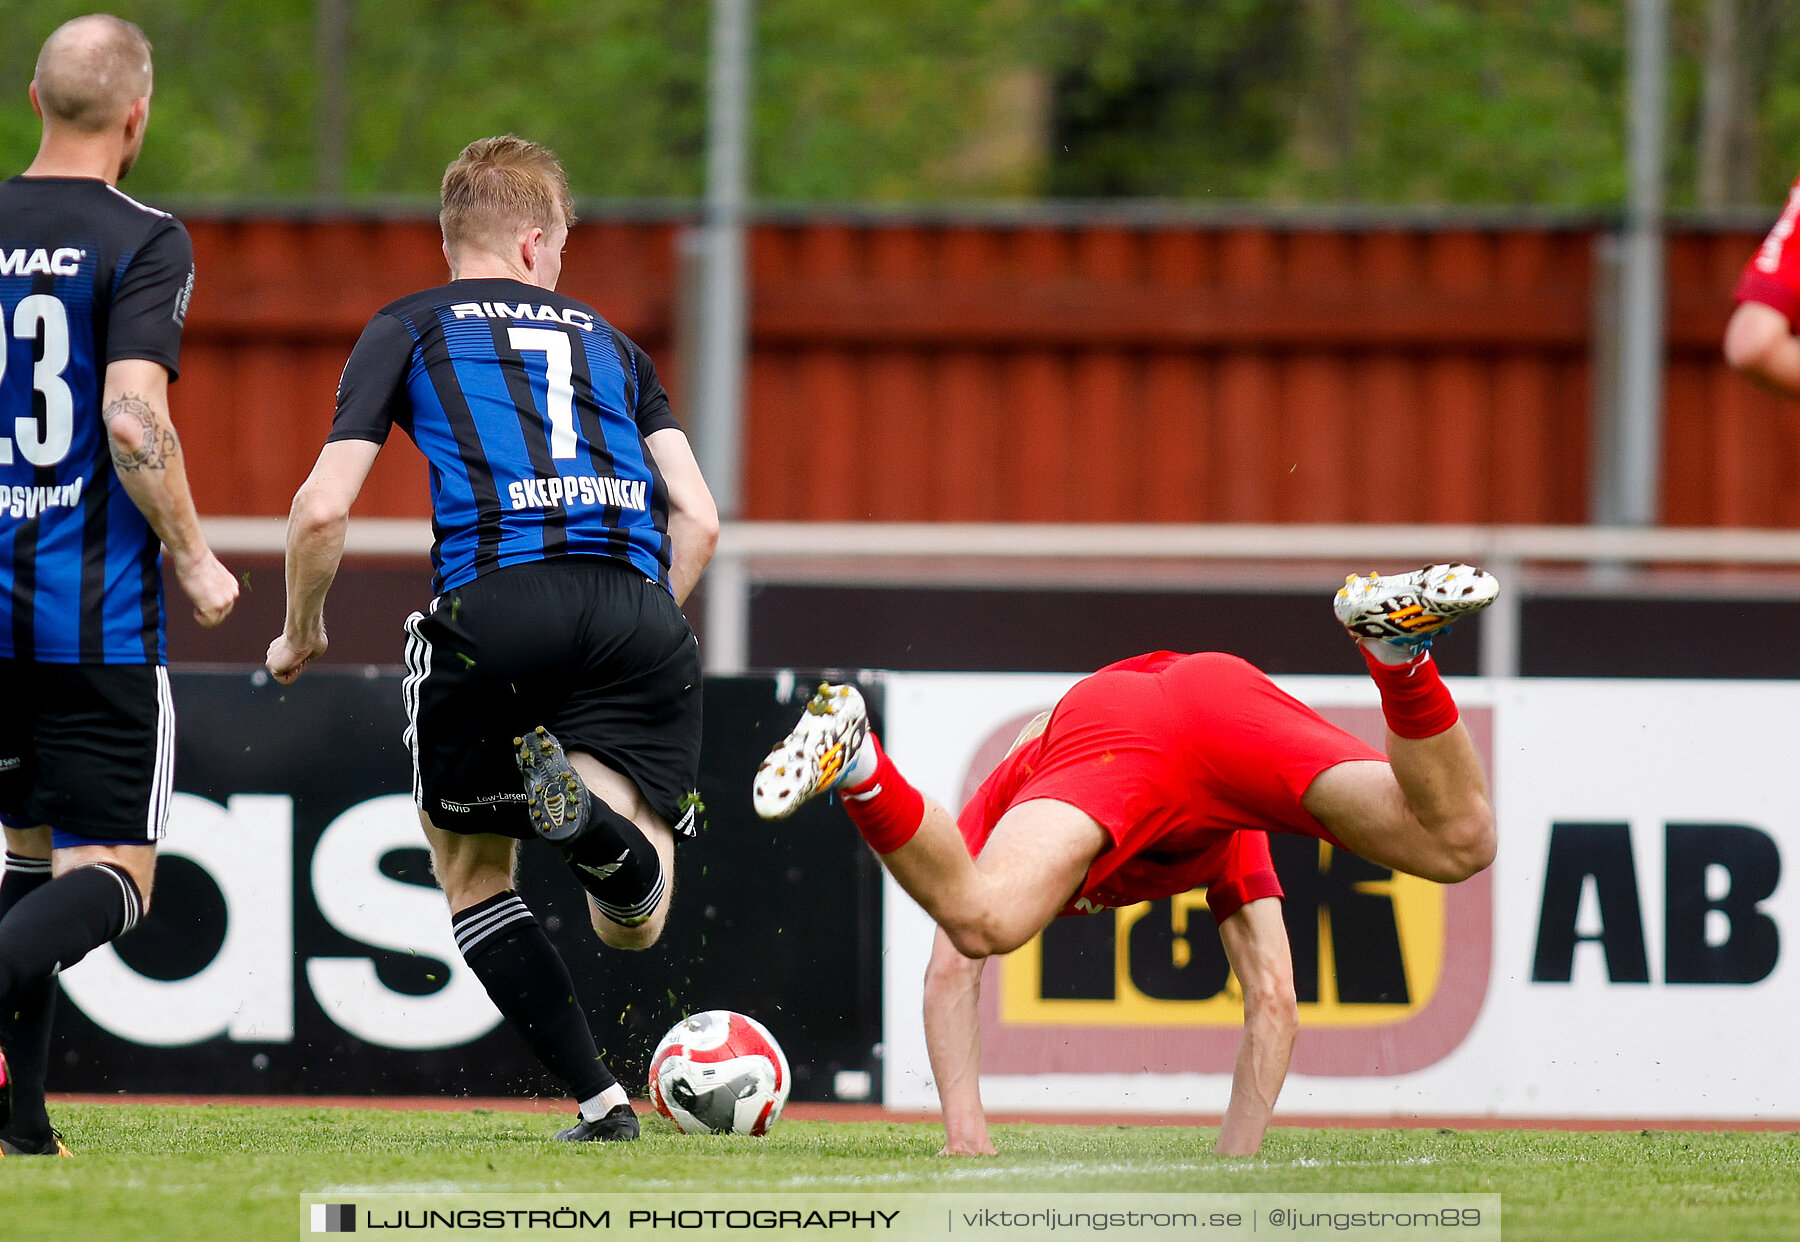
{"x": 315, "y": 547}
{"x": 693, "y": 517}
{"x": 953, "y": 1040}
{"x": 1256, "y": 945}
{"x": 146, "y": 454}
{"x": 152, "y": 445}
{"x": 1761, "y": 346}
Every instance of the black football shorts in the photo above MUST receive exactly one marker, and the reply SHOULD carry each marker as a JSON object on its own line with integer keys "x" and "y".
{"x": 88, "y": 749}
{"x": 587, "y": 647}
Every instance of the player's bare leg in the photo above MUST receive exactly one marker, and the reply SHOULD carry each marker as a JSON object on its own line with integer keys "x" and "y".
{"x": 620, "y": 793}
{"x": 1031, "y": 867}
{"x": 32, "y": 843}
{"x": 525, "y": 976}
{"x": 470, "y": 867}
{"x": 1427, "y": 810}
{"x": 1032, "y": 864}
{"x": 619, "y": 849}
{"x": 137, "y": 861}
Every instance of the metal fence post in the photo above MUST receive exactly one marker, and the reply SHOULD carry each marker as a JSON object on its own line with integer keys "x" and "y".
{"x": 727, "y": 646}
{"x": 1499, "y": 655}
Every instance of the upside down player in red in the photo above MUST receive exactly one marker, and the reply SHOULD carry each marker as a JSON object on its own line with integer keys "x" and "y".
{"x": 1153, "y": 776}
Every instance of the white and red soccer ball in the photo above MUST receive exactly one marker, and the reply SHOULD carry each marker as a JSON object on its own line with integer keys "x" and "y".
{"x": 719, "y": 1072}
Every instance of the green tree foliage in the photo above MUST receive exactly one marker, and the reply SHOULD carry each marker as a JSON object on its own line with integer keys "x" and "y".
{"x": 616, "y": 88}
{"x": 1508, "y": 102}
{"x": 1174, "y": 98}
{"x": 1769, "y": 60}
{"x": 1780, "y": 111}
{"x": 866, "y": 100}
{"x": 852, "y": 101}
{"x": 233, "y": 104}
{"x": 1516, "y": 102}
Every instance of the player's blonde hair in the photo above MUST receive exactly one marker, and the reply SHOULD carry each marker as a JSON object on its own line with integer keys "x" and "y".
{"x": 90, "y": 70}
{"x": 499, "y": 187}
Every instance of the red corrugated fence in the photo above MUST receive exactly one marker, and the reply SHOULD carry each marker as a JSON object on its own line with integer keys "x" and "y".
{"x": 1035, "y": 370}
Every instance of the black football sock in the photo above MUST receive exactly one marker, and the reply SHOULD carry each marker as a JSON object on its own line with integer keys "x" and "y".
{"x": 26, "y": 1016}
{"x": 59, "y": 923}
{"x": 617, "y": 865}
{"x": 528, "y": 981}
{"x": 22, "y": 877}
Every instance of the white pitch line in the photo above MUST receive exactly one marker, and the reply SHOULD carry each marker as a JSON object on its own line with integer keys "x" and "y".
{"x": 990, "y": 1173}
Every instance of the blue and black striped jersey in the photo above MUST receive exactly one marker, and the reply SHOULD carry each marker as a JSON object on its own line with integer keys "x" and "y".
{"x": 532, "y": 412}
{"x": 88, "y": 276}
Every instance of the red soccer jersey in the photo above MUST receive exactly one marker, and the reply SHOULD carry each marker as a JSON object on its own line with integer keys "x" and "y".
{"x": 1772, "y": 276}
{"x": 1187, "y": 761}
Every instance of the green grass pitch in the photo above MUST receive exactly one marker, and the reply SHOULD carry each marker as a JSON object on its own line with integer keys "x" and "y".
{"x": 192, "y": 1174}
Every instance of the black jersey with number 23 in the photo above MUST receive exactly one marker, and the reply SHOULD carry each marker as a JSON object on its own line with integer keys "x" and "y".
{"x": 88, "y": 276}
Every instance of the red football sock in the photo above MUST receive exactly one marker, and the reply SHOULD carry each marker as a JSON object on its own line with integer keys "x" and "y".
{"x": 1414, "y": 698}
{"x": 884, "y": 808}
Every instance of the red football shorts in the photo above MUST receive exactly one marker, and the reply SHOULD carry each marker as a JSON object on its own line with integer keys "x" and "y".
{"x": 1180, "y": 758}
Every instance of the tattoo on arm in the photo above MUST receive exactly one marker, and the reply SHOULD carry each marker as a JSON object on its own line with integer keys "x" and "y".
{"x": 159, "y": 444}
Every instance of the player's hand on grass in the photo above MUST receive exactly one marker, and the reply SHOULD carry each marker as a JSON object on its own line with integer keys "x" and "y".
{"x": 966, "y": 1134}
{"x": 209, "y": 585}
{"x": 955, "y": 1147}
{"x": 288, "y": 655}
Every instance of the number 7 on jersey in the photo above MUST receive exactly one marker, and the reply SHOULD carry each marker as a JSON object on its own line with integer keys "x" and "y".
{"x": 559, "y": 370}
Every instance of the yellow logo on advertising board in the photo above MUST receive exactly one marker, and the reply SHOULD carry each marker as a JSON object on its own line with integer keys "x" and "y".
{"x": 1367, "y": 943}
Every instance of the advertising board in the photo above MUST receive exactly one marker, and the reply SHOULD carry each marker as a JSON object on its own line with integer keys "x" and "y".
{"x": 297, "y": 944}
{"x": 1622, "y": 958}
